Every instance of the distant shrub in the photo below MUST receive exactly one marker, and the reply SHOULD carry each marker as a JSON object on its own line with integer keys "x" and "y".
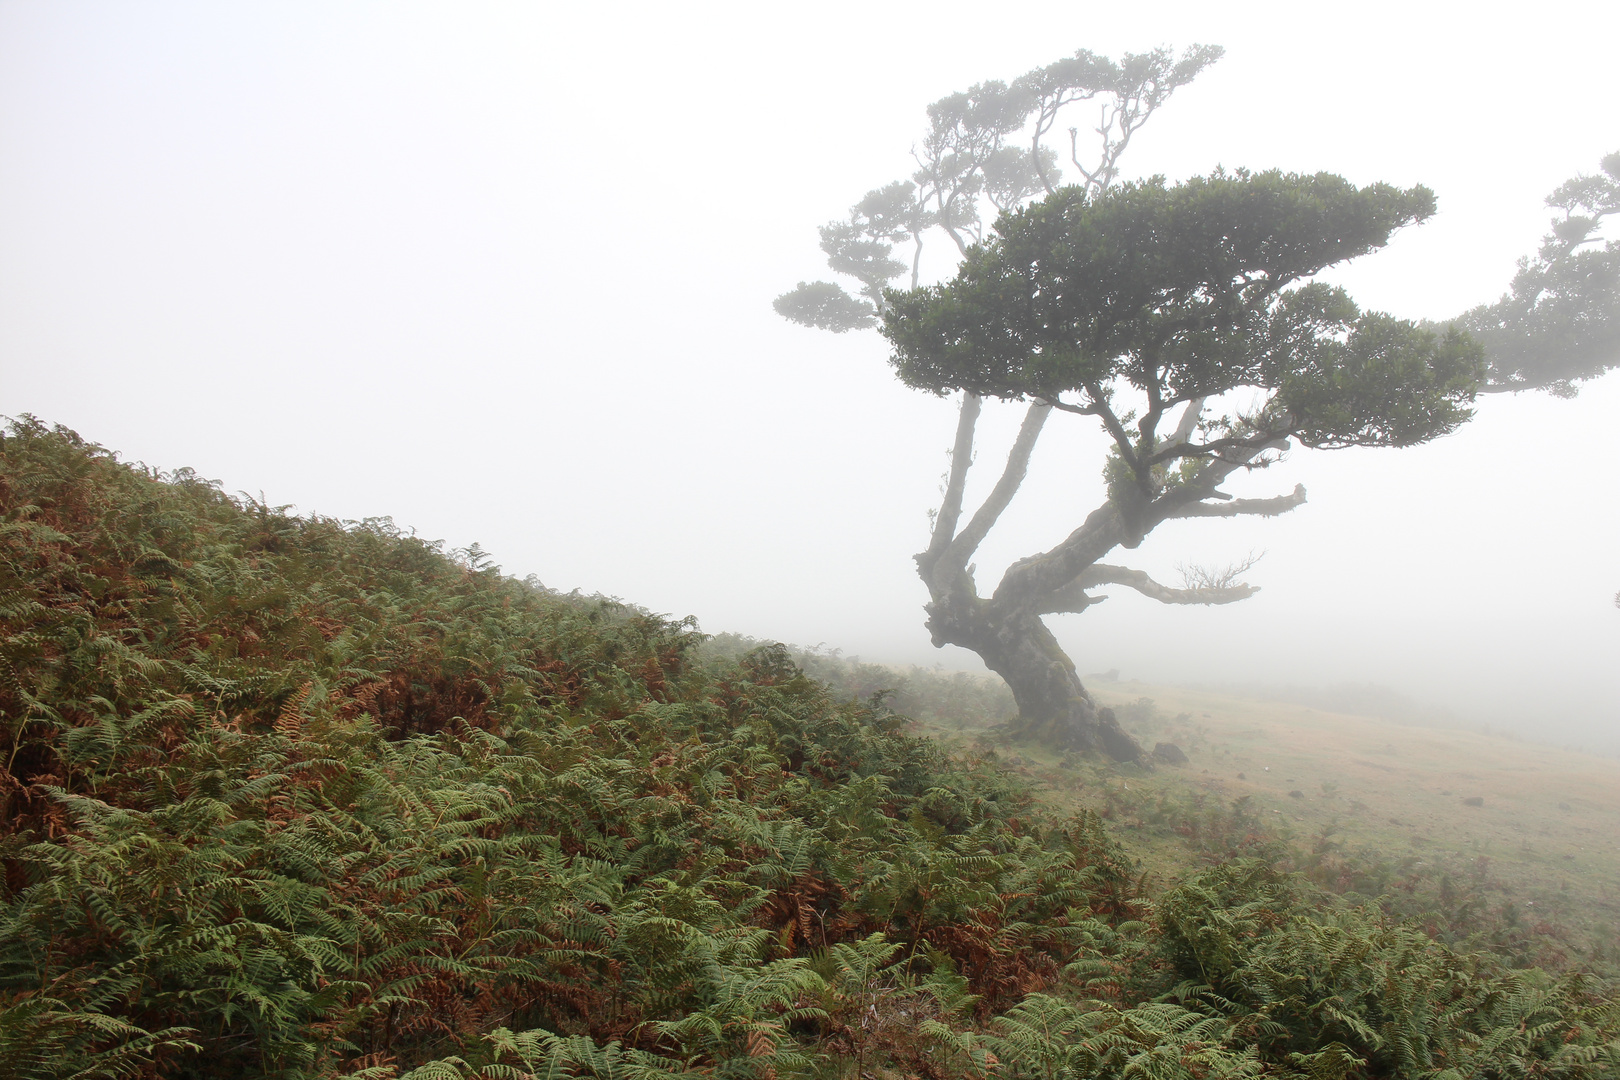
{"x": 952, "y": 700}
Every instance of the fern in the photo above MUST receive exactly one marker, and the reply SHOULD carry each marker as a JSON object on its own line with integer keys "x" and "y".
{"x": 298, "y": 798}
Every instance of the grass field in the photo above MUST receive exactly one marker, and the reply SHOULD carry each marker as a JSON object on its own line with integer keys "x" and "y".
{"x": 1528, "y": 826}
{"x": 1538, "y": 825}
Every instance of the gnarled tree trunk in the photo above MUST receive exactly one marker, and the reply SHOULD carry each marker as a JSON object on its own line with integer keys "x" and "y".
{"x": 1007, "y": 630}
{"x": 1053, "y": 705}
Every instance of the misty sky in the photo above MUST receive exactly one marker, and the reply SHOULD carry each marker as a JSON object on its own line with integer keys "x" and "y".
{"x": 504, "y": 273}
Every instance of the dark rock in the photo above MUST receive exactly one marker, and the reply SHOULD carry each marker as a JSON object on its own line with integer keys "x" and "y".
{"x": 1169, "y": 753}
{"x": 1116, "y": 742}
{"x": 1296, "y": 794}
{"x": 1474, "y": 800}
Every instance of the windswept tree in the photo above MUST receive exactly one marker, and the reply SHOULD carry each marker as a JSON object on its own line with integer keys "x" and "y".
{"x": 1182, "y": 318}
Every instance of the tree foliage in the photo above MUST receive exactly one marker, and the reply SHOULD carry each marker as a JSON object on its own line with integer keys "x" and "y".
{"x": 1185, "y": 293}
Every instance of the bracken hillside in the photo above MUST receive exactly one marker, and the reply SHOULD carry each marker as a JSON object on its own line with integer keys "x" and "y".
{"x": 291, "y": 797}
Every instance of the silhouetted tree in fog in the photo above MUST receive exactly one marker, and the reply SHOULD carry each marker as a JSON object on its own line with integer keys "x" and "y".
{"x": 1181, "y": 317}
{"x": 1145, "y": 307}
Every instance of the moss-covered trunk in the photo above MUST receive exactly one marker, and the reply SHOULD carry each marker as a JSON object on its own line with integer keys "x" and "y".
{"x": 1014, "y": 642}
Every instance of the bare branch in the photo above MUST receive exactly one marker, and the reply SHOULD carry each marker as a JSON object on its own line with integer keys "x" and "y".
{"x": 1198, "y": 576}
{"x": 950, "y": 510}
{"x": 1103, "y": 574}
{"x": 1074, "y": 156}
{"x": 963, "y": 546}
{"x": 1237, "y": 507}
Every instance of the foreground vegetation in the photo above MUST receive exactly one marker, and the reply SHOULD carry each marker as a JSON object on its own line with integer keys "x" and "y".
{"x": 290, "y": 797}
{"x": 1487, "y": 842}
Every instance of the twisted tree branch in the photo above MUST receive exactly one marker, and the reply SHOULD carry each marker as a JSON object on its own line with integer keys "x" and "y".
{"x": 1236, "y": 507}
{"x": 1214, "y": 447}
{"x": 1103, "y": 574}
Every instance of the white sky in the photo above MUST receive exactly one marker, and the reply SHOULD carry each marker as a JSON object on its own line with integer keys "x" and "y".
{"x": 504, "y": 272}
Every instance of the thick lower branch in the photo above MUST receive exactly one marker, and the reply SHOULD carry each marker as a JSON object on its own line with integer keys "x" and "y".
{"x": 1102, "y": 574}
{"x": 1237, "y": 507}
{"x": 1073, "y": 597}
{"x": 1030, "y": 580}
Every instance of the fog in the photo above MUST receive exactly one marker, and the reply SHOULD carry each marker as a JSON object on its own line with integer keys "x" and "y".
{"x": 504, "y": 273}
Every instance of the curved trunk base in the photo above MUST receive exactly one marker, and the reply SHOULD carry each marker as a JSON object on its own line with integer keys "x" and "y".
{"x": 1053, "y": 705}
{"x": 1103, "y": 734}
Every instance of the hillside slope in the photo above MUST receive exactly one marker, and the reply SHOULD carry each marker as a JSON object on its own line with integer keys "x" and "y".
{"x": 290, "y": 797}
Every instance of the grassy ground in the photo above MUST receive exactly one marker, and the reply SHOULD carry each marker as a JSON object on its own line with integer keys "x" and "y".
{"x": 1537, "y": 825}
{"x": 1543, "y": 836}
